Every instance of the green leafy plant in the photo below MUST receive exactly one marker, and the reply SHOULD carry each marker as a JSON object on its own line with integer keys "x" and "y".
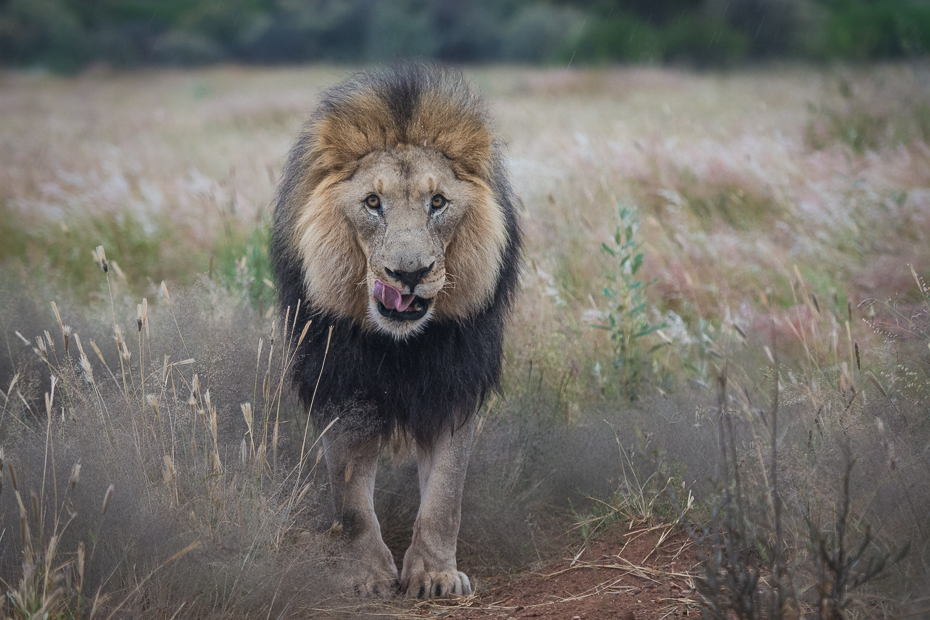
{"x": 627, "y": 314}
{"x": 241, "y": 262}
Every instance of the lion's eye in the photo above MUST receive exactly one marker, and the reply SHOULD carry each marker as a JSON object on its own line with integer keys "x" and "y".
{"x": 373, "y": 202}
{"x": 438, "y": 202}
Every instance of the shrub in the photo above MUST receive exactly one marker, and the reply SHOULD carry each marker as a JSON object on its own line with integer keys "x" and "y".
{"x": 872, "y": 30}
{"x": 538, "y": 32}
{"x": 627, "y": 315}
{"x": 45, "y": 32}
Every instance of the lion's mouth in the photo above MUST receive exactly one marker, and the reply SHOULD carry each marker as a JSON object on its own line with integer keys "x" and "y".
{"x": 393, "y": 305}
{"x": 414, "y": 312}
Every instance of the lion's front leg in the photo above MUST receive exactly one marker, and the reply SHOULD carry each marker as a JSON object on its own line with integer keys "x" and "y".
{"x": 429, "y": 565}
{"x": 369, "y": 568}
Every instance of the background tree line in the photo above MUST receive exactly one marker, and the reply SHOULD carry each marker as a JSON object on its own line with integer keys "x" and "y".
{"x": 65, "y": 35}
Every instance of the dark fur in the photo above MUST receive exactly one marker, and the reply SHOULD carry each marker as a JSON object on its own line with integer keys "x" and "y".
{"x": 435, "y": 379}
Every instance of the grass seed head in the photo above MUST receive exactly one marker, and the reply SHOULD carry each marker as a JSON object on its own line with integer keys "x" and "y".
{"x": 247, "y": 414}
{"x": 9, "y": 468}
{"x": 81, "y": 553}
{"x": 75, "y": 474}
{"x": 88, "y": 369}
{"x": 51, "y": 550}
{"x": 119, "y": 272}
{"x": 85, "y": 363}
{"x": 303, "y": 493}
{"x": 169, "y": 471}
{"x": 57, "y": 316}
{"x": 152, "y": 400}
{"x": 101, "y": 258}
{"x": 24, "y": 535}
{"x": 107, "y": 498}
{"x": 42, "y": 350}
{"x": 66, "y": 334}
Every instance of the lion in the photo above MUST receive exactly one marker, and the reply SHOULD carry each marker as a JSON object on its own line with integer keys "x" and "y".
{"x": 396, "y": 238}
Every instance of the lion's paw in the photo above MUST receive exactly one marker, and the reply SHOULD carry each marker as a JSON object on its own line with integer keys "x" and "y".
{"x": 368, "y": 570}
{"x": 376, "y": 588}
{"x": 368, "y": 581}
{"x": 439, "y": 584}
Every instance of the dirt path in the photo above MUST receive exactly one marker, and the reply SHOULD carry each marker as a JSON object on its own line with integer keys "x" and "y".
{"x": 638, "y": 573}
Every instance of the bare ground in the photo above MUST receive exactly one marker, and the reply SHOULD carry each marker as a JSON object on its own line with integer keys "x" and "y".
{"x": 631, "y": 572}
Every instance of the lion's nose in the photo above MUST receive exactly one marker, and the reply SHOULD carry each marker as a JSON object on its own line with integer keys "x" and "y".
{"x": 410, "y": 278}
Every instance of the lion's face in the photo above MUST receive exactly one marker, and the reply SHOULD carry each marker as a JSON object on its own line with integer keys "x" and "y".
{"x": 418, "y": 242}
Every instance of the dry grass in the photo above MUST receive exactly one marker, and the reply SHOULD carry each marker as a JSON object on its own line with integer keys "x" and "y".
{"x": 198, "y": 504}
{"x": 753, "y": 230}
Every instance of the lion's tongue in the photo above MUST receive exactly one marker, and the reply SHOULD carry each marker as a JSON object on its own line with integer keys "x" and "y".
{"x": 391, "y": 297}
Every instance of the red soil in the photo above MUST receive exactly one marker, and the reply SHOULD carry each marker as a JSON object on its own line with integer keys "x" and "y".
{"x": 636, "y": 573}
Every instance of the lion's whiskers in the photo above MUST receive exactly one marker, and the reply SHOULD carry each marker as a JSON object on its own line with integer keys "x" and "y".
{"x": 449, "y": 284}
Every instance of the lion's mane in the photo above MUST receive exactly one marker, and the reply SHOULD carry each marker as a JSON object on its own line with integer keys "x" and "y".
{"x": 426, "y": 382}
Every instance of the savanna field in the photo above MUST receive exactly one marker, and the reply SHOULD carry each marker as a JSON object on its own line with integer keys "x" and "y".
{"x": 723, "y": 336}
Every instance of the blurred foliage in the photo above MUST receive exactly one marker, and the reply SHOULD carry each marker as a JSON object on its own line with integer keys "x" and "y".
{"x": 142, "y": 252}
{"x": 59, "y": 253}
{"x": 864, "y": 30}
{"x": 241, "y": 262}
{"x": 868, "y": 121}
{"x": 65, "y": 35}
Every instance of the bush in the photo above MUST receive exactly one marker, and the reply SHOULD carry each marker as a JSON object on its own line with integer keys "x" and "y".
{"x": 42, "y": 32}
{"x": 693, "y": 38}
{"x": 704, "y": 42}
{"x": 622, "y": 37}
{"x": 398, "y": 30}
{"x": 180, "y": 47}
{"x": 873, "y": 30}
{"x": 538, "y": 32}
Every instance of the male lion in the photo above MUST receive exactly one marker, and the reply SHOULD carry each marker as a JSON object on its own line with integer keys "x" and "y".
{"x": 395, "y": 226}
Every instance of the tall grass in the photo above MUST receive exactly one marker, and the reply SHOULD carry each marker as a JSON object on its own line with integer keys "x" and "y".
{"x": 191, "y": 486}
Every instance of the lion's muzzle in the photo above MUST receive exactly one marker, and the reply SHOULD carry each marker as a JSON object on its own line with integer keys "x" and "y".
{"x": 394, "y": 305}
